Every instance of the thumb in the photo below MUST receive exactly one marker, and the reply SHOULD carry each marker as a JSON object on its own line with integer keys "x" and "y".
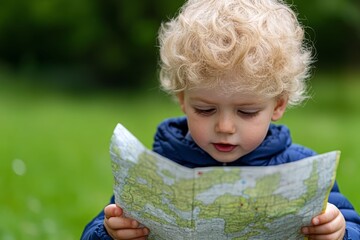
{"x": 112, "y": 210}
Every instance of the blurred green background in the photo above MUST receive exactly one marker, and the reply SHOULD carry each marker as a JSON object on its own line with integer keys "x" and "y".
{"x": 70, "y": 70}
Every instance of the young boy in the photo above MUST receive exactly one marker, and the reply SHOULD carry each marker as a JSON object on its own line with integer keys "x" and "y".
{"x": 234, "y": 66}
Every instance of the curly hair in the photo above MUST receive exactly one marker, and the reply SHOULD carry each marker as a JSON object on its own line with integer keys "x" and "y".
{"x": 238, "y": 45}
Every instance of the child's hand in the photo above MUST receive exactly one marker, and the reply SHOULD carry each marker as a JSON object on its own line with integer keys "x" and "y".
{"x": 119, "y": 227}
{"x": 329, "y": 225}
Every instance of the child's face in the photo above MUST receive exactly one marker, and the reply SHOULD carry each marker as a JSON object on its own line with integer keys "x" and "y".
{"x": 229, "y": 126}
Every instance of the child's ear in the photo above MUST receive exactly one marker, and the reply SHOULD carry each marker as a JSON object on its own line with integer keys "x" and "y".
{"x": 280, "y": 108}
{"x": 180, "y": 97}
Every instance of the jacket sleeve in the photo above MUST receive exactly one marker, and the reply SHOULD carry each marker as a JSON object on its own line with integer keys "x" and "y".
{"x": 95, "y": 229}
{"x": 352, "y": 218}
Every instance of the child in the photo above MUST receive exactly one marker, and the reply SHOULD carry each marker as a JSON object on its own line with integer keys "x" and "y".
{"x": 234, "y": 66}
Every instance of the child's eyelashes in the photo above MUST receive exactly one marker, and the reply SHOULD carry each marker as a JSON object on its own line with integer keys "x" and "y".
{"x": 211, "y": 111}
{"x": 205, "y": 111}
{"x": 248, "y": 113}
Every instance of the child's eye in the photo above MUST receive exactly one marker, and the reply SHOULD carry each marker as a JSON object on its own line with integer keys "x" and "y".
{"x": 204, "y": 111}
{"x": 248, "y": 113}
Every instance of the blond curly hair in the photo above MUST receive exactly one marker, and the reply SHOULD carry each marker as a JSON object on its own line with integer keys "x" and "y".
{"x": 238, "y": 45}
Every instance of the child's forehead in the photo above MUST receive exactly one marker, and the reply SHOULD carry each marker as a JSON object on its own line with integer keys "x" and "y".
{"x": 216, "y": 96}
{"x": 208, "y": 92}
{"x": 227, "y": 84}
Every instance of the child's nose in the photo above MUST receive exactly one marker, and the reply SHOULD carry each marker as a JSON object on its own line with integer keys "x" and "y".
{"x": 225, "y": 124}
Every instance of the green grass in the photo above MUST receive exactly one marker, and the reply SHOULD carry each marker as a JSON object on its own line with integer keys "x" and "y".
{"x": 54, "y": 160}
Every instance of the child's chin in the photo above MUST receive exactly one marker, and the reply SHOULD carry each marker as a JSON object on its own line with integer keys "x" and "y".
{"x": 226, "y": 160}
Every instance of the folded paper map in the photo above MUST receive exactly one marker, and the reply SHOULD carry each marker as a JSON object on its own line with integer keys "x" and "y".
{"x": 176, "y": 202}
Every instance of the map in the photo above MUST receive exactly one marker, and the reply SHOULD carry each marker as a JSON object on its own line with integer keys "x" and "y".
{"x": 176, "y": 202}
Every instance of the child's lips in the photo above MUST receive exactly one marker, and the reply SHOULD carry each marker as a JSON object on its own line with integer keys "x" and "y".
{"x": 224, "y": 147}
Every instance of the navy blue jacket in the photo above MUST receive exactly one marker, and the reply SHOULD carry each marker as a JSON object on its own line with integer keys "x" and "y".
{"x": 171, "y": 141}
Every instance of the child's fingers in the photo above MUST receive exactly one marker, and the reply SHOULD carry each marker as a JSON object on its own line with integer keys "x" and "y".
{"x": 137, "y": 233}
{"x": 112, "y": 210}
{"x": 329, "y": 215}
{"x": 121, "y": 223}
{"x": 333, "y": 236}
{"x": 328, "y": 228}
{"x": 121, "y": 227}
{"x": 329, "y": 225}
